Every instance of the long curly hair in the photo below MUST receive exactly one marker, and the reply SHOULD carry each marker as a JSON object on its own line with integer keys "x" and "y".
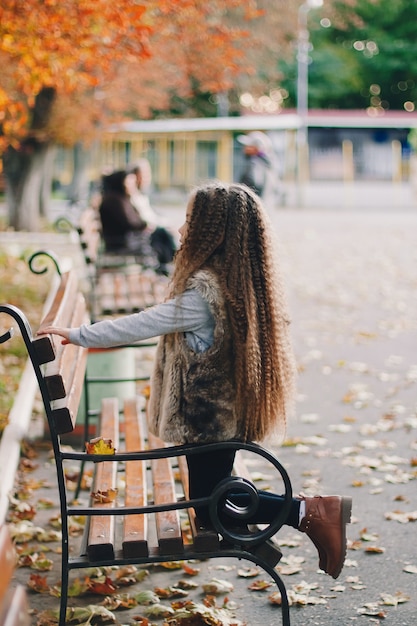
{"x": 228, "y": 231}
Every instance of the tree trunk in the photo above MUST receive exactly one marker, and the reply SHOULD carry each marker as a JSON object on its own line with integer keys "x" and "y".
{"x": 46, "y": 182}
{"x": 28, "y": 184}
{"x": 28, "y": 168}
{"x": 78, "y": 192}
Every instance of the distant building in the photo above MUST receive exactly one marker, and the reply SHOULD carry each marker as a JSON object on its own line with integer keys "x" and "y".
{"x": 343, "y": 144}
{"x": 378, "y": 142}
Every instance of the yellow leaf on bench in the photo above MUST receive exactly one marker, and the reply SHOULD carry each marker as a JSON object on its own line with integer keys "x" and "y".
{"x": 100, "y": 446}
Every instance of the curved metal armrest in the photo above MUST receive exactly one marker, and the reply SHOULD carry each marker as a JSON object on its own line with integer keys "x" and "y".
{"x": 42, "y": 269}
{"x": 63, "y": 225}
{"x": 7, "y": 335}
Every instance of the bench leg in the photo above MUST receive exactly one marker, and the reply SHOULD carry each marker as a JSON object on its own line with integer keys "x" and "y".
{"x": 270, "y": 569}
{"x": 64, "y": 593}
{"x": 64, "y": 570}
{"x": 285, "y": 607}
{"x": 239, "y": 553}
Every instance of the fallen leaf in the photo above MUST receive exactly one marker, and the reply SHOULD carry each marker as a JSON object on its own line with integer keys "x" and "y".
{"x": 172, "y": 564}
{"x": 146, "y": 597}
{"x": 374, "y": 550}
{"x": 248, "y": 572}
{"x": 170, "y": 592}
{"x": 119, "y": 601}
{"x": 365, "y": 536}
{"x": 260, "y": 585}
{"x": 217, "y": 586}
{"x": 159, "y": 611}
{"x": 41, "y": 563}
{"x": 372, "y": 609}
{"x": 38, "y": 583}
{"x": 394, "y": 600}
{"x": 191, "y": 571}
{"x": 401, "y": 516}
{"x": 45, "y": 503}
{"x": 192, "y": 613}
{"x": 106, "y": 496}
{"x": 22, "y": 511}
{"x": 100, "y": 446}
{"x": 186, "y": 584}
{"x": 101, "y": 587}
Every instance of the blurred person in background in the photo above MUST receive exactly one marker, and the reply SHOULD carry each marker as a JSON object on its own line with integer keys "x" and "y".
{"x": 162, "y": 240}
{"x": 259, "y": 171}
{"x": 125, "y": 228}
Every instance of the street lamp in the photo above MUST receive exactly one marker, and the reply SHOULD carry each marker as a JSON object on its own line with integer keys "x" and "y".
{"x": 303, "y": 49}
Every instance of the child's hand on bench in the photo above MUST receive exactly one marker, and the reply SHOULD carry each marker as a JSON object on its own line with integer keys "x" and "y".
{"x": 54, "y": 330}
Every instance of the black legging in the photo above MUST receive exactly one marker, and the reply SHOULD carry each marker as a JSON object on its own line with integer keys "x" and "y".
{"x": 208, "y": 469}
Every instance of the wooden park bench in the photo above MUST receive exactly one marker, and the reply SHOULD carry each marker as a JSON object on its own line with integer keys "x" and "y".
{"x": 14, "y": 609}
{"x": 119, "y": 282}
{"x": 154, "y": 505}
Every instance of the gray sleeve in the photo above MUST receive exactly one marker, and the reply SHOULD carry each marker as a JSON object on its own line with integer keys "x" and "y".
{"x": 186, "y": 313}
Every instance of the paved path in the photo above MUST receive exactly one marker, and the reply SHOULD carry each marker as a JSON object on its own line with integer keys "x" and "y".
{"x": 352, "y": 282}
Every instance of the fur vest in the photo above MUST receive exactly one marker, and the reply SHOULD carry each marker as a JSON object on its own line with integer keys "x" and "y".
{"x": 193, "y": 394}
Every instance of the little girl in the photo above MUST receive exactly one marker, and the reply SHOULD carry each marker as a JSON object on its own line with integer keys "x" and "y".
{"x": 224, "y": 365}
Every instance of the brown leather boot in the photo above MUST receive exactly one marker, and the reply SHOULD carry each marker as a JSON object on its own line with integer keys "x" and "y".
{"x": 325, "y": 523}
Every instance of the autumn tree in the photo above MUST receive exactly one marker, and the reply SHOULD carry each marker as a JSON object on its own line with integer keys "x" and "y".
{"x": 269, "y": 37}
{"x": 70, "y": 67}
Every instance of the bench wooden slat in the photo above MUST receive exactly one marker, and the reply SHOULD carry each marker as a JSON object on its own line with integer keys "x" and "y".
{"x": 135, "y": 527}
{"x": 14, "y": 609}
{"x": 7, "y": 560}
{"x": 130, "y": 291}
{"x": 58, "y": 315}
{"x": 61, "y": 309}
{"x": 135, "y": 289}
{"x": 68, "y": 306}
{"x": 168, "y": 525}
{"x": 101, "y": 538}
{"x": 18, "y": 610}
{"x": 65, "y": 411}
{"x": 121, "y": 294}
{"x": 106, "y": 293}
{"x": 103, "y": 293}
{"x": 153, "y": 287}
{"x": 61, "y": 373}
{"x": 158, "y": 287}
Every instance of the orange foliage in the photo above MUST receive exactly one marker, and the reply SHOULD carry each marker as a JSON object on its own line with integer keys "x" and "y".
{"x": 106, "y": 60}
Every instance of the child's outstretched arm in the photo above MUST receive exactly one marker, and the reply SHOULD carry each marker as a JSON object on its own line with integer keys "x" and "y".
{"x": 189, "y": 313}
{"x": 54, "y": 330}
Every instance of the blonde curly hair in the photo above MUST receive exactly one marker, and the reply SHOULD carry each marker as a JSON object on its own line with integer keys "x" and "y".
{"x": 228, "y": 231}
